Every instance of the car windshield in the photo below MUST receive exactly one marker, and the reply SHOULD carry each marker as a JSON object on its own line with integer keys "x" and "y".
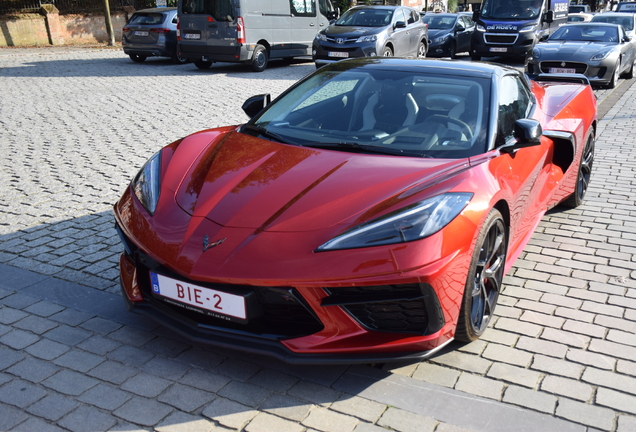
{"x": 587, "y": 33}
{"x": 511, "y": 9}
{"x": 382, "y": 110}
{"x": 147, "y": 18}
{"x": 626, "y": 22}
{"x": 439, "y": 22}
{"x": 366, "y": 18}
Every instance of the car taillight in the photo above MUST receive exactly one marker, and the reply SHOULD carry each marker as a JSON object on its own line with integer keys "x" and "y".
{"x": 178, "y": 28}
{"x": 125, "y": 29}
{"x": 160, "y": 30}
{"x": 240, "y": 30}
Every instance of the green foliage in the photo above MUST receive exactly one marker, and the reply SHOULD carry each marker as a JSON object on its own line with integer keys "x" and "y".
{"x": 342, "y": 4}
{"x": 452, "y": 5}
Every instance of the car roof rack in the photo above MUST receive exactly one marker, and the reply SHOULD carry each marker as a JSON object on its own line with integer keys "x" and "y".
{"x": 567, "y": 78}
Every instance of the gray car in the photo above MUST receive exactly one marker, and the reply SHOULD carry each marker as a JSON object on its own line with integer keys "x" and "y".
{"x": 600, "y": 51}
{"x": 152, "y": 33}
{"x": 368, "y": 31}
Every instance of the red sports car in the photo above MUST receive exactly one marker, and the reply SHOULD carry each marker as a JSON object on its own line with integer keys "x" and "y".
{"x": 368, "y": 213}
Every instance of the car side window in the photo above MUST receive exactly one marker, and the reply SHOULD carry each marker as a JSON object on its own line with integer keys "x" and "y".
{"x": 306, "y": 8}
{"x": 411, "y": 17}
{"x": 514, "y": 104}
{"x": 175, "y": 18}
{"x": 399, "y": 16}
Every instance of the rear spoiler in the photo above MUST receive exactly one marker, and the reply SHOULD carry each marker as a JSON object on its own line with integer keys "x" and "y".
{"x": 564, "y": 78}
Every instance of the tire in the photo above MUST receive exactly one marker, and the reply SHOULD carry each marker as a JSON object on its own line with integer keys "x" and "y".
{"x": 259, "y": 59}
{"x": 484, "y": 280}
{"x": 202, "y": 64}
{"x": 177, "y": 59}
{"x": 630, "y": 73}
{"x": 421, "y": 50}
{"x": 615, "y": 75}
{"x": 387, "y": 52}
{"x": 475, "y": 57}
{"x": 137, "y": 58}
{"x": 583, "y": 176}
{"x": 452, "y": 50}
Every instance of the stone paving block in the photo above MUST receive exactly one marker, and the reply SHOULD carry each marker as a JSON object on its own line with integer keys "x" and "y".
{"x": 70, "y": 383}
{"x": 200, "y": 358}
{"x": 80, "y": 361}
{"x": 228, "y": 413}
{"x": 237, "y": 369}
{"x": 610, "y": 379}
{"x": 131, "y": 336}
{"x": 459, "y": 360}
{"x": 500, "y": 337}
{"x": 185, "y": 398}
{"x": 67, "y": 335}
{"x": 46, "y": 350}
{"x": 622, "y": 337}
{"x": 586, "y": 414}
{"x": 204, "y": 380}
{"x": 19, "y": 339}
{"x": 626, "y": 423}
{"x": 35, "y": 324}
{"x": 435, "y": 374}
{"x": 542, "y": 319}
{"x": 99, "y": 345}
{"x": 613, "y": 349}
{"x": 146, "y": 385}
{"x": 541, "y": 346}
{"x": 273, "y": 380}
{"x": 313, "y": 393}
{"x": 9, "y": 357}
{"x": 406, "y": 421}
{"x": 557, "y": 367}
{"x": 87, "y": 418}
{"x": 166, "y": 368}
{"x": 146, "y": 412}
{"x": 585, "y": 329}
{"x": 35, "y": 424}
{"x": 286, "y": 406}
{"x": 567, "y": 338}
{"x": 264, "y": 422}
{"x": 71, "y": 317}
{"x": 615, "y": 400}
{"x": 584, "y": 294}
{"x": 552, "y": 287}
{"x": 10, "y": 416}
{"x": 130, "y": 355}
{"x": 100, "y": 325}
{"x": 480, "y": 386}
{"x": 113, "y": 372}
{"x": 530, "y": 399}
{"x": 18, "y": 301}
{"x": 516, "y": 326}
{"x": 53, "y": 406}
{"x": 33, "y": 369}
{"x": 105, "y": 397}
{"x": 514, "y": 374}
{"x": 20, "y": 393}
{"x": 359, "y": 407}
{"x": 182, "y": 422}
{"x": 539, "y": 307}
{"x": 508, "y": 312}
{"x": 507, "y": 355}
{"x": 567, "y": 387}
{"x": 560, "y": 300}
{"x": 166, "y": 347}
{"x": 576, "y": 315}
{"x": 625, "y": 367}
{"x": 603, "y": 309}
{"x": 328, "y": 421}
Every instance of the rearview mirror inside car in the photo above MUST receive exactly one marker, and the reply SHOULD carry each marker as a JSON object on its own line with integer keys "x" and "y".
{"x": 255, "y": 104}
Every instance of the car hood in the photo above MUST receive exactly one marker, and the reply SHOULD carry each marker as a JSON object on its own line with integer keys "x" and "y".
{"x": 241, "y": 181}
{"x": 572, "y": 49}
{"x": 350, "y": 32}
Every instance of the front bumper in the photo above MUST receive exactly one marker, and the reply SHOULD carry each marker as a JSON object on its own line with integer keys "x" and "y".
{"x": 440, "y": 49}
{"x": 486, "y": 44}
{"x": 599, "y": 73}
{"x": 327, "y": 52}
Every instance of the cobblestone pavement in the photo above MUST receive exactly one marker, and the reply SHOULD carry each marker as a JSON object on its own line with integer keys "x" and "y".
{"x": 76, "y": 124}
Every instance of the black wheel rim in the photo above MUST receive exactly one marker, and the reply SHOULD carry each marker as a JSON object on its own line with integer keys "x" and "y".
{"x": 488, "y": 276}
{"x": 260, "y": 59}
{"x": 585, "y": 169}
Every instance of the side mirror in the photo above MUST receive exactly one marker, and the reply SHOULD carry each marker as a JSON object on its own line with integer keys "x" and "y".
{"x": 627, "y": 38}
{"x": 549, "y": 16}
{"x": 527, "y": 133}
{"x": 399, "y": 24}
{"x": 255, "y": 104}
{"x": 461, "y": 28}
{"x": 544, "y": 38}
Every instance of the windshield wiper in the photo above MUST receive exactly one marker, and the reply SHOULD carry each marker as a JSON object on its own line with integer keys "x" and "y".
{"x": 267, "y": 134}
{"x": 346, "y": 145}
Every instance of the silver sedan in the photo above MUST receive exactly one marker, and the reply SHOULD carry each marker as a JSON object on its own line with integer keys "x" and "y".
{"x": 602, "y": 52}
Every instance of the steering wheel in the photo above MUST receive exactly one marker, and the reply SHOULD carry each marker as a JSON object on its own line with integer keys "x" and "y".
{"x": 442, "y": 119}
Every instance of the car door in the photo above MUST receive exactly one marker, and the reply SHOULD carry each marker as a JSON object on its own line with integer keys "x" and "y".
{"x": 400, "y": 36}
{"x": 304, "y": 25}
{"x": 463, "y": 31}
{"x": 628, "y": 53}
{"x": 415, "y": 30}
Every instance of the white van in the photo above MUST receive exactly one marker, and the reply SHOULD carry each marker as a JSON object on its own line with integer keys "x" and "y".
{"x": 249, "y": 31}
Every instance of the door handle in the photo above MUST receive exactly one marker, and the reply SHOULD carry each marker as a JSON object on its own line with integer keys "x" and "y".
{"x": 311, "y": 25}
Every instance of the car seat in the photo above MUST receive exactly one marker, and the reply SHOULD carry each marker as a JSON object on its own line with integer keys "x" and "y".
{"x": 390, "y": 109}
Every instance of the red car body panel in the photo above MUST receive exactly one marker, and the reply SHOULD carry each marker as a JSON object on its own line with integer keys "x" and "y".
{"x": 274, "y": 204}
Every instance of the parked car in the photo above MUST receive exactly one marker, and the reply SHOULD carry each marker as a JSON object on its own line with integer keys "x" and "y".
{"x": 626, "y": 7}
{"x": 369, "y": 213}
{"x": 368, "y": 31}
{"x": 579, "y": 9}
{"x": 448, "y": 33}
{"x": 602, "y": 52}
{"x": 580, "y": 17}
{"x": 152, "y": 33}
{"x": 627, "y": 20}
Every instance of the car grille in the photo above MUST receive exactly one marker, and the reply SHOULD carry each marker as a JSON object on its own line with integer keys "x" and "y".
{"x": 346, "y": 40}
{"x": 408, "y": 308}
{"x": 497, "y": 38}
{"x": 579, "y": 67}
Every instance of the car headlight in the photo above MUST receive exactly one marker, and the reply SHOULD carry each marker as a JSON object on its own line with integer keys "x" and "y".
{"x": 480, "y": 28}
{"x": 600, "y": 55}
{"x": 146, "y": 183}
{"x": 410, "y": 223}
{"x": 528, "y": 28}
{"x": 321, "y": 36}
{"x": 536, "y": 53}
{"x": 441, "y": 39}
{"x": 369, "y": 38}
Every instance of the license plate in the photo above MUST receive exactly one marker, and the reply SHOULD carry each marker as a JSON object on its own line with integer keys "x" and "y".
{"x": 498, "y": 49}
{"x": 338, "y": 54}
{"x": 192, "y": 36}
{"x": 141, "y": 33}
{"x": 219, "y": 303}
{"x": 562, "y": 71}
